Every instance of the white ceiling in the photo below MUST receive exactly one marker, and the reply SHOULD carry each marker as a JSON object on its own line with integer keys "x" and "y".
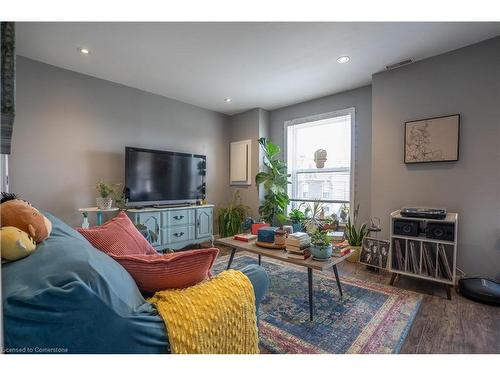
{"x": 266, "y": 65}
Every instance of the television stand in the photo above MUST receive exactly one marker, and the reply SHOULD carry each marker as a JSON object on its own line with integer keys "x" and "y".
{"x": 174, "y": 226}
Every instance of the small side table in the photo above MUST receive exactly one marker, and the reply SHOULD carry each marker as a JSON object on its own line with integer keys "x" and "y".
{"x": 98, "y": 212}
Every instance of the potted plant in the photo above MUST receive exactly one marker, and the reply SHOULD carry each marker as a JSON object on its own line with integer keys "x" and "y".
{"x": 106, "y": 193}
{"x": 297, "y": 218}
{"x": 331, "y": 223}
{"x": 231, "y": 218}
{"x": 321, "y": 246}
{"x": 275, "y": 181}
{"x": 354, "y": 235}
{"x": 313, "y": 219}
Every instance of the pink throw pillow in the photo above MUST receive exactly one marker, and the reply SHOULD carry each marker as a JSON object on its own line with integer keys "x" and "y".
{"x": 118, "y": 236}
{"x": 176, "y": 270}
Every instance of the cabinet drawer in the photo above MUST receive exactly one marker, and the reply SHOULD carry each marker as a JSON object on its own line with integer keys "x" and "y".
{"x": 178, "y": 217}
{"x": 180, "y": 233}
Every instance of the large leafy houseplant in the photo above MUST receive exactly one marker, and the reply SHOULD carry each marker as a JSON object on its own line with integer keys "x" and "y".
{"x": 275, "y": 181}
{"x": 231, "y": 218}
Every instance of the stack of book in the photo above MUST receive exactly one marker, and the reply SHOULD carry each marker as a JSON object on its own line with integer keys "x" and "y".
{"x": 340, "y": 248}
{"x": 297, "y": 245}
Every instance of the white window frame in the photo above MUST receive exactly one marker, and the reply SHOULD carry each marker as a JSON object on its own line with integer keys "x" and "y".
{"x": 324, "y": 116}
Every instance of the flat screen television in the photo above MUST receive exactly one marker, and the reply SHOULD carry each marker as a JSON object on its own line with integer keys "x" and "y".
{"x": 154, "y": 177}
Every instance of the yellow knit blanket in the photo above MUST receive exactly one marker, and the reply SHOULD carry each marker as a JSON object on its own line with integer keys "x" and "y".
{"x": 214, "y": 317}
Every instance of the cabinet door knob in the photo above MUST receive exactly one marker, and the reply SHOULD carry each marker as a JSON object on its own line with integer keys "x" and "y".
{"x": 179, "y": 234}
{"x": 179, "y": 217}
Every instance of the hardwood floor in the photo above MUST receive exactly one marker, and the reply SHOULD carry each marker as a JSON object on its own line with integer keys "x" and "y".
{"x": 441, "y": 325}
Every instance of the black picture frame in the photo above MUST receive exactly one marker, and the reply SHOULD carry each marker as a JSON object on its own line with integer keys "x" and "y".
{"x": 426, "y": 155}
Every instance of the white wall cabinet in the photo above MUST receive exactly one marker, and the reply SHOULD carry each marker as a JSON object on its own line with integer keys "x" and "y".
{"x": 241, "y": 163}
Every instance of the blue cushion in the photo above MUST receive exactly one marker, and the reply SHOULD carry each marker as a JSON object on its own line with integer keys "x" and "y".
{"x": 70, "y": 297}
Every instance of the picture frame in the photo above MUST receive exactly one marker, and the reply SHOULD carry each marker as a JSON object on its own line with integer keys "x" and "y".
{"x": 374, "y": 252}
{"x": 431, "y": 140}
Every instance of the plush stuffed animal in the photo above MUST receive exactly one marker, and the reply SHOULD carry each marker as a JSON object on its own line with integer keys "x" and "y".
{"x": 16, "y": 244}
{"x": 22, "y": 215}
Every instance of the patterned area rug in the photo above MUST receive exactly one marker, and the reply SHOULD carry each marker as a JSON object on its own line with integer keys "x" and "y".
{"x": 369, "y": 318}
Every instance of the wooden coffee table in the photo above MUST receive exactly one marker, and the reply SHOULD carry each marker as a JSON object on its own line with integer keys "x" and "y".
{"x": 309, "y": 263}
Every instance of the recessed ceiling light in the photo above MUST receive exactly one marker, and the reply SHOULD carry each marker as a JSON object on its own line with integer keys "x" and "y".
{"x": 84, "y": 51}
{"x": 343, "y": 59}
{"x": 228, "y": 100}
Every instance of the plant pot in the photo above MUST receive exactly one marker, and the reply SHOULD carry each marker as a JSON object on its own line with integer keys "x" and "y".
{"x": 104, "y": 203}
{"x": 321, "y": 252}
{"x": 297, "y": 227}
{"x": 354, "y": 258}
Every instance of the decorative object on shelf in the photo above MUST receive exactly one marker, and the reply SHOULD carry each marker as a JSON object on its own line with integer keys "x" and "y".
{"x": 231, "y": 218}
{"x": 85, "y": 222}
{"x": 321, "y": 245}
{"x": 106, "y": 194}
{"x": 432, "y": 140}
{"x": 320, "y": 158}
{"x": 288, "y": 229}
{"x": 374, "y": 252}
{"x": 275, "y": 181}
{"x": 297, "y": 218}
{"x": 422, "y": 257}
{"x": 355, "y": 235}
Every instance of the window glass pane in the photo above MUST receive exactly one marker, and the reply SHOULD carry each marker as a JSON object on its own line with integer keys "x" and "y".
{"x": 335, "y": 184}
{"x": 331, "y": 135}
{"x": 311, "y": 180}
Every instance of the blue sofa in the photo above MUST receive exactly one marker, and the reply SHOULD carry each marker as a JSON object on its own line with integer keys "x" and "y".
{"x": 69, "y": 297}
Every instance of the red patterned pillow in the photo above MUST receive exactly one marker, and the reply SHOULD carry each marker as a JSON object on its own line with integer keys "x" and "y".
{"x": 118, "y": 236}
{"x": 176, "y": 270}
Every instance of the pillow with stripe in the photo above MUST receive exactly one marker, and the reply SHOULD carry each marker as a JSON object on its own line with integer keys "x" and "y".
{"x": 118, "y": 236}
{"x": 169, "y": 271}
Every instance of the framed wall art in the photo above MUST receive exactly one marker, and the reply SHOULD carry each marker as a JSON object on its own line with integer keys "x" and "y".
{"x": 432, "y": 140}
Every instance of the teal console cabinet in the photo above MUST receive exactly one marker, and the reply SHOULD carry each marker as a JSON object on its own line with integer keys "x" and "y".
{"x": 176, "y": 227}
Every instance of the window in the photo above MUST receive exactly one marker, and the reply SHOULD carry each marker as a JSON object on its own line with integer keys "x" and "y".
{"x": 309, "y": 142}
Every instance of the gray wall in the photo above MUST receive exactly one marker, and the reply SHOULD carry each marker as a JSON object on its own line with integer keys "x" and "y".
{"x": 360, "y": 99}
{"x": 71, "y": 130}
{"x": 467, "y": 82}
{"x": 251, "y": 124}
{"x": 246, "y": 126}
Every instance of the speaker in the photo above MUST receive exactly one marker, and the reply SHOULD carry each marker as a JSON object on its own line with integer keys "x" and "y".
{"x": 406, "y": 228}
{"x": 441, "y": 231}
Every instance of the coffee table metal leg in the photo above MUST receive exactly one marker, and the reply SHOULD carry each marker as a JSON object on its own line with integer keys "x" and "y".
{"x": 233, "y": 250}
{"x": 311, "y": 301}
{"x": 336, "y": 272}
{"x": 260, "y": 259}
